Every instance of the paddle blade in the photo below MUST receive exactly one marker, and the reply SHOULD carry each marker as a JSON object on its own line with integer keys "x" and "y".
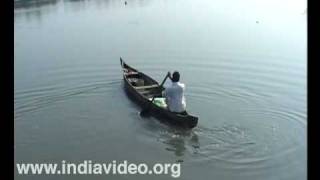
{"x": 145, "y": 112}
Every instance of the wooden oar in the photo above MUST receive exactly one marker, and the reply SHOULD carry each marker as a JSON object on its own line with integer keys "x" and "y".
{"x": 146, "y": 111}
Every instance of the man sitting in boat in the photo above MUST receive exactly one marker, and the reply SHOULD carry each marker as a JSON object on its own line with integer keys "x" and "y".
{"x": 174, "y": 94}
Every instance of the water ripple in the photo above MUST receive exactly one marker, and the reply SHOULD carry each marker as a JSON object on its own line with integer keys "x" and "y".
{"x": 34, "y": 99}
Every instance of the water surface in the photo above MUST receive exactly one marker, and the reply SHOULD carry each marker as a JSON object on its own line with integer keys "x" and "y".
{"x": 243, "y": 63}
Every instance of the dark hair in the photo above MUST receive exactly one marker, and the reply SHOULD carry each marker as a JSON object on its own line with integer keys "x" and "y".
{"x": 175, "y": 76}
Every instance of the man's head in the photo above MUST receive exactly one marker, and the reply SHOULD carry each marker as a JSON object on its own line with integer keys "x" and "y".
{"x": 175, "y": 76}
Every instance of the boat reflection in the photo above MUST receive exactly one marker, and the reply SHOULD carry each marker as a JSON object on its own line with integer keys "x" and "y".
{"x": 181, "y": 142}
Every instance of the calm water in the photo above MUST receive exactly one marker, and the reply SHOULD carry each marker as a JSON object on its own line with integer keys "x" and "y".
{"x": 244, "y": 65}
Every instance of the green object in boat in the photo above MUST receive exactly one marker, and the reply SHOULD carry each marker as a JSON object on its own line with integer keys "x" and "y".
{"x": 160, "y": 101}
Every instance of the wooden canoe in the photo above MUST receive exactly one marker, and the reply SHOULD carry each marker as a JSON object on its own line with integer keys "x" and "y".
{"x": 141, "y": 88}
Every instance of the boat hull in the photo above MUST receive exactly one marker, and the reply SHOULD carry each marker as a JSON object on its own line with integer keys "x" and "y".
{"x": 162, "y": 114}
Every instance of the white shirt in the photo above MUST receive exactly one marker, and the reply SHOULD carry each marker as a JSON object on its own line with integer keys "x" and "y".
{"x": 175, "y": 97}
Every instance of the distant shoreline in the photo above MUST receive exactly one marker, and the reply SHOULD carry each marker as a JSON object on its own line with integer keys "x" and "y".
{"x": 28, "y": 3}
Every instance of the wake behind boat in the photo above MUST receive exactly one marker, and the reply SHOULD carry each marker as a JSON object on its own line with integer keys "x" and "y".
{"x": 143, "y": 89}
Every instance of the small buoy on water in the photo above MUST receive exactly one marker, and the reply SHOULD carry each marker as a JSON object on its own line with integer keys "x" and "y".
{"x": 257, "y": 22}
